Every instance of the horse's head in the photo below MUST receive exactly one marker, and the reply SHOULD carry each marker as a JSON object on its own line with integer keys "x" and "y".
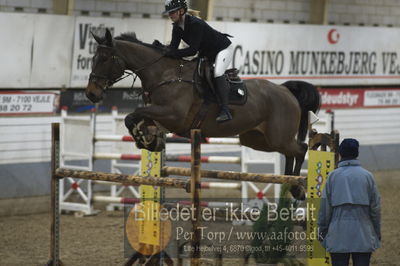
{"x": 107, "y": 67}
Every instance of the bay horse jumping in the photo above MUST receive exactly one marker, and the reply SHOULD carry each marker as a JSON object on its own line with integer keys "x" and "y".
{"x": 274, "y": 118}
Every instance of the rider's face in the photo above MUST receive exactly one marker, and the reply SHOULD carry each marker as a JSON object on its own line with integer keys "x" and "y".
{"x": 176, "y": 15}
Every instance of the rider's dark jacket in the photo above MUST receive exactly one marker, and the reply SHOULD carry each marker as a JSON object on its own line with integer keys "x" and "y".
{"x": 200, "y": 37}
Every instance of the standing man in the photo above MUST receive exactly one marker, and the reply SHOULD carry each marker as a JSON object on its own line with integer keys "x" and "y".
{"x": 205, "y": 40}
{"x": 349, "y": 217}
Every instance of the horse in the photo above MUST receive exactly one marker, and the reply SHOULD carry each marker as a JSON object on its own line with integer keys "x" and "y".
{"x": 274, "y": 118}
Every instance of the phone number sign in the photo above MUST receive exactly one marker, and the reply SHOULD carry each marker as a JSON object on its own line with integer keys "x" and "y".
{"x": 12, "y": 103}
{"x": 387, "y": 98}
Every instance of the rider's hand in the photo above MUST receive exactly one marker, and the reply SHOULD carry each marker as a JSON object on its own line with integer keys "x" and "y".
{"x": 170, "y": 52}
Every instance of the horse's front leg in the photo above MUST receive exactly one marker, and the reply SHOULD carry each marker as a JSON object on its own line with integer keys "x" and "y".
{"x": 142, "y": 128}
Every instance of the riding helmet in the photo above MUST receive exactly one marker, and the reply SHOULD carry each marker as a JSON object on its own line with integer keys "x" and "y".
{"x": 173, "y": 5}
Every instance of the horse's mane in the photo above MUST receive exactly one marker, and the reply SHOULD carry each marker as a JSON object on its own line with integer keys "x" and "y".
{"x": 131, "y": 37}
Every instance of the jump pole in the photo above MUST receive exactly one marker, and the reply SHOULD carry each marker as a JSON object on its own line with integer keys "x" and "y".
{"x": 124, "y": 179}
{"x": 170, "y": 139}
{"x": 238, "y": 176}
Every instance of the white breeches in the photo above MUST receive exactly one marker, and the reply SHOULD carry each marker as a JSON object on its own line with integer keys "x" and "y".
{"x": 222, "y": 61}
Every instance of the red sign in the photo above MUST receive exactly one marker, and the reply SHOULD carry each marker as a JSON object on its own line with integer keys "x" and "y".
{"x": 342, "y": 98}
{"x": 360, "y": 98}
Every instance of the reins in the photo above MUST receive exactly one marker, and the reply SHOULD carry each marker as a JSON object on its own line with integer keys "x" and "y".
{"x": 166, "y": 82}
{"x": 138, "y": 70}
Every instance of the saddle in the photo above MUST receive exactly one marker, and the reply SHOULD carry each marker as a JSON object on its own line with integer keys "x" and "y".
{"x": 204, "y": 83}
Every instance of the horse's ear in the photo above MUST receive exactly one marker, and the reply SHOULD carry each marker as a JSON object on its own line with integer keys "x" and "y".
{"x": 98, "y": 39}
{"x": 109, "y": 39}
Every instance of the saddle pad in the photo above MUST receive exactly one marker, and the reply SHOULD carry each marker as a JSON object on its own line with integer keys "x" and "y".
{"x": 237, "y": 93}
{"x": 203, "y": 84}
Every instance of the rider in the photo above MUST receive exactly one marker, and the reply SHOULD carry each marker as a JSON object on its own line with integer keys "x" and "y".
{"x": 201, "y": 38}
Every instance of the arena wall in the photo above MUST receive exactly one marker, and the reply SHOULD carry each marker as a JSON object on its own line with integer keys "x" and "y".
{"x": 59, "y": 56}
{"x": 36, "y": 51}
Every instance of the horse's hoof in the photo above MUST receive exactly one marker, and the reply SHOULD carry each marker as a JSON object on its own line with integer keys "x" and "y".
{"x": 139, "y": 145}
{"x": 154, "y": 143}
{"x": 157, "y": 145}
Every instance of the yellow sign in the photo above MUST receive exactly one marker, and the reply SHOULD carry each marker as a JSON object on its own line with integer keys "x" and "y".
{"x": 149, "y": 232}
{"x": 135, "y": 224}
{"x": 145, "y": 232}
{"x": 320, "y": 164}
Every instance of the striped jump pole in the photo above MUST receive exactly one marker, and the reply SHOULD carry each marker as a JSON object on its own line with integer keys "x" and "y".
{"x": 237, "y": 176}
{"x": 168, "y": 158}
{"x": 171, "y": 138}
{"x": 220, "y": 185}
{"x": 124, "y": 179}
{"x": 121, "y": 200}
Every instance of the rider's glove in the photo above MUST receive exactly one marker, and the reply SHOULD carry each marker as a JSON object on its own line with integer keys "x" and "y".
{"x": 170, "y": 52}
{"x": 157, "y": 43}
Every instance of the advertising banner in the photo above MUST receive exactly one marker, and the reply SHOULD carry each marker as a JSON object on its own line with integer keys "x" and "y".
{"x": 322, "y": 55}
{"x": 22, "y": 103}
{"x": 360, "y": 98}
{"x": 382, "y": 98}
{"x": 77, "y": 102}
{"x": 85, "y": 46}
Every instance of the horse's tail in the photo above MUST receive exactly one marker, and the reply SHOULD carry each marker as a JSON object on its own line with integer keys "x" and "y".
{"x": 309, "y": 99}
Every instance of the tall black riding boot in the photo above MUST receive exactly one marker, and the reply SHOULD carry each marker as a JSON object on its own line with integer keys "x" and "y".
{"x": 222, "y": 87}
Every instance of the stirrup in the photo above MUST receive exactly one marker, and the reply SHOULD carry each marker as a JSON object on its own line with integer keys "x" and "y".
{"x": 224, "y": 116}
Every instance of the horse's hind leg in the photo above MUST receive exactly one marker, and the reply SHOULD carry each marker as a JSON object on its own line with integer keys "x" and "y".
{"x": 254, "y": 139}
{"x": 289, "y": 161}
{"x": 300, "y": 158}
{"x": 294, "y": 155}
{"x": 298, "y": 192}
{"x": 266, "y": 140}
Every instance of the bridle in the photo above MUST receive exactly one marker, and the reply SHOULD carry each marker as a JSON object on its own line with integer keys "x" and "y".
{"x": 110, "y": 80}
